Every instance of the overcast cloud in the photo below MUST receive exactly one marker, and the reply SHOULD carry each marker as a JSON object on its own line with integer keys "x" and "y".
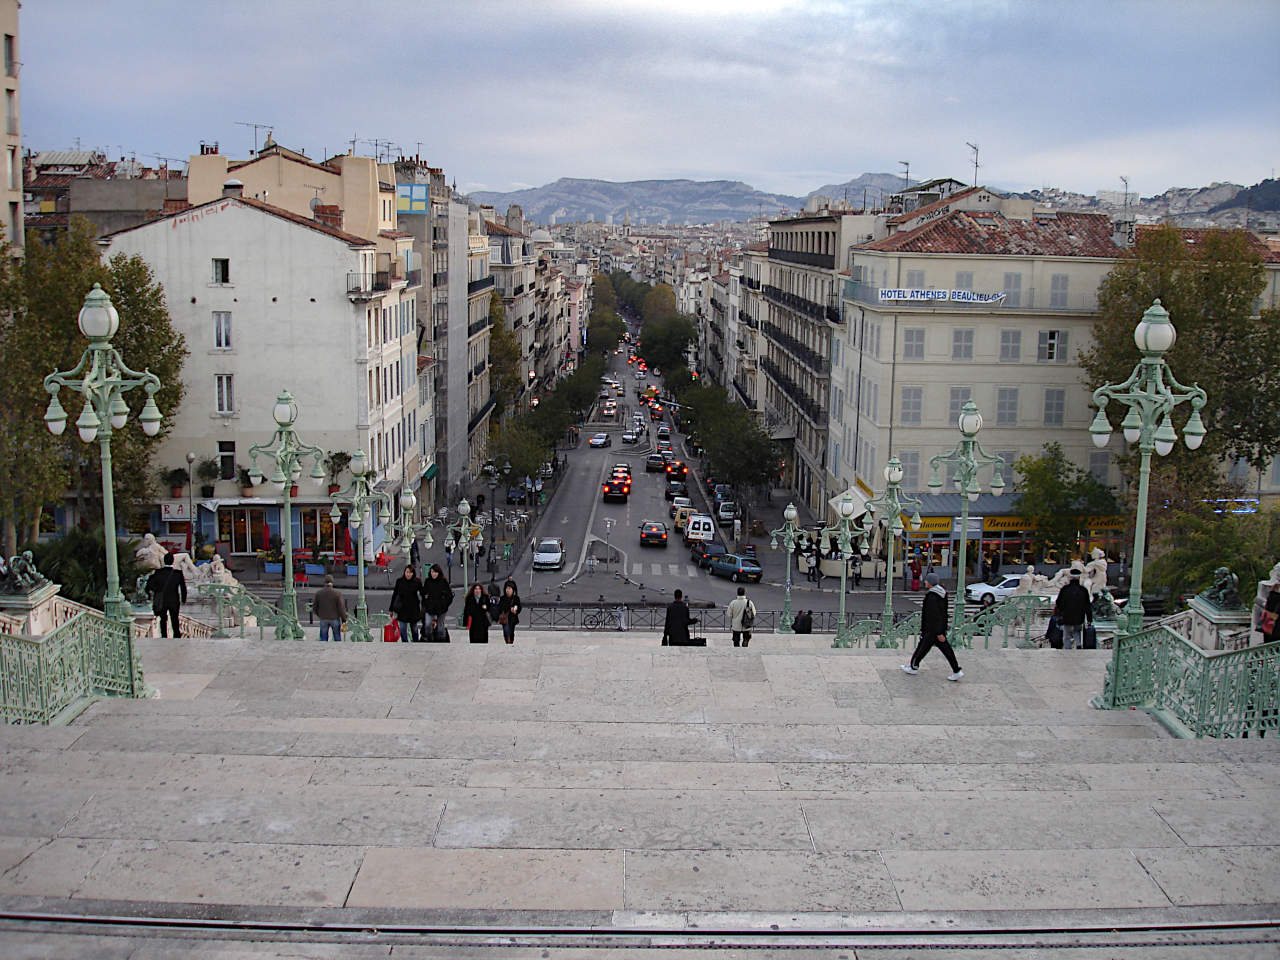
{"x": 786, "y": 96}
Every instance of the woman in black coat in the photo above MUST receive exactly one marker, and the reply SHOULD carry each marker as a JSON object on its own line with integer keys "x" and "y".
{"x": 475, "y": 613}
{"x": 509, "y": 611}
{"x": 406, "y": 604}
{"x": 437, "y": 597}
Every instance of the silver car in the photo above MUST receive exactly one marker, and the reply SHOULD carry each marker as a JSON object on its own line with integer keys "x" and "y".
{"x": 549, "y": 554}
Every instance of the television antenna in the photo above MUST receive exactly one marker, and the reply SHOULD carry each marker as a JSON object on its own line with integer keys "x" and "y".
{"x": 1125, "y": 181}
{"x": 974, "y": 148}
{"x": 314, "y": 201}
{"x": 256, "y": 128}
{"x": 906, "y": 173}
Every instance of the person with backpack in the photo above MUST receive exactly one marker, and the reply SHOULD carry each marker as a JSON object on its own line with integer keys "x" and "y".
{"x": 1073, "y": 609}
{"x": 742, "y": 617}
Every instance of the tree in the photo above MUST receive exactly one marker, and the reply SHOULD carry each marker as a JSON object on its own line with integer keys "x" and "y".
{"x": 78, "y": 561}
{"x": 1248, "y": 544}
{"x": 659, "y": 303}
{"x": 666, "y": 341}
{"x": 603, "y": 293}
{"x": 1209, "y": 282}
{"x": 1057, "y": 498}
{"x": 604, "y": 329}
{"x": 504, "y": 361}
{"x": 521, "y": 445}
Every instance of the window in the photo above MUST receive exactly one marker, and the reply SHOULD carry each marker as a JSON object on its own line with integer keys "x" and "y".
{"x": 13, "y": 168}
{"x": 964, "y": 279}
{"x": 959, "y": 397}
{"x": 1013, "y": 289}
{"x": 226, "y": 459}
{"x": 912, "y": 406}
{"x": 1055, "y": 403}
{"x": 962, "y": 344}
{"x": 1007, "y": 407}
{"x": 1058, "y": 290}
{"x": 225, "y": 391}
{"x": 913, "y": 343}
{"x": 910, "y": 460}
{"x": 221, "y": 270}
{"x": 10, "y": 56}
{"x": 1010, "y": 346}
{"x": 1100, "y": 466}
{"x": 11, "y": 111}
{"x": 1052, "y": 347}
{"x": 915, "y": 279}
{"x": 222, "y": 330}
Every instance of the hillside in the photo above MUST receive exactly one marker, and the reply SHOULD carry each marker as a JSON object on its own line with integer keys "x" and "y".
{"x": 1264, "y": 196}
{"x": 873, "y": 186}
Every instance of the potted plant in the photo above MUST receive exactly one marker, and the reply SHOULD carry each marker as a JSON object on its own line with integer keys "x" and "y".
{"x": 246, "y": 482}
{"x": 176, "y": 479}
{"x": 208, "y": 471}
{"x": 334, "y": 464}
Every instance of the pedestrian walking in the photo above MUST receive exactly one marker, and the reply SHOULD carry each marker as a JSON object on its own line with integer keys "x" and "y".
{"x": 803, "y": 623}
{"x": 509, "y": 611}
{"x": 168, "y": 590}
{"x": 933, "y": 629}
{"x": 475, "y": 614}
{"x": 675, "y": 629}
{"x": 448, "y": 561}
{"x": 437, "y": 597}
{"x": 742, "y": 617}
{"x": 1073, "y": 608}
{"x": 330, "y": 609}
{"x": 415, "y": 555}
{"x": 406, "y": 605}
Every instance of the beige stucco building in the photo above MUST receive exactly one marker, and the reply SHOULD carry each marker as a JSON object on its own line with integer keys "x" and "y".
{"x": 13, "y": 208}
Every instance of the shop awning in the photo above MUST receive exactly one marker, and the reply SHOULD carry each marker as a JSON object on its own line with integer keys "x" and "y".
{"x": 853, "y": 493}
{"x": 431, "y": 471}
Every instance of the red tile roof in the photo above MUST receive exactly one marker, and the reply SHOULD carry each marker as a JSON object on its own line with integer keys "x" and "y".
{"x": 758, "y": 247}
{"x": 47, "y": 181}
{"x": 395, "y": 235}
{"x": 501, "y": 230}
{"x": 991, "y": 234}
{"x": 938, "y": 205}
{"x": 348, "y": 238}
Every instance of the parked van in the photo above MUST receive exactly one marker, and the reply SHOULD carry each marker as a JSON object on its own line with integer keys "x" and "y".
{"x": 682, "y": 516}
{"x": 699, "y": 526}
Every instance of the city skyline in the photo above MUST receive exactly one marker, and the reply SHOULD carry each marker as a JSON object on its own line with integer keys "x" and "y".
{"x": 783, "y": 96}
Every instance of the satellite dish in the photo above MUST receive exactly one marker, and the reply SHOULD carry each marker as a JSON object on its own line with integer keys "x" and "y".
{"x": 313, "y": 203}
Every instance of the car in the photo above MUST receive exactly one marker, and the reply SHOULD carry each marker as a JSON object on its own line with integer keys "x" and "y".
{"x": 664, "y": 432}
{"x": 617, "y": 488}
{"x": 622, "y": 470}
{"x": 726, "y": 513}
{"x": 678, "y": 502}
{"x": 603, "y": 394}
{"x": 667, "y": 457}
{"x": 702, "y": 552}
{"x": 736, "y": 567}
{"x": 619, "y": 391}
{"x": 676, "y": 488}
{"x": 663, "y": 445}
{"x": 653, "y": 533}
{"x": 656, "y": 412}
{"x": 516, "y": 493}
{"x": 654, "y": 463}
{"x": 630, "y": 437}
{"x": 722, "y": 492}
{"x": 677, "y": 469}
{"x": 549, "y": 554}
{"x": 600, "y": 440}
{"x": 1004, "y": 587}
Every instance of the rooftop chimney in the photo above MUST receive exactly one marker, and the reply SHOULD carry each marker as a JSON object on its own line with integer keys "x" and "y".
{"x": 233, "y": 188}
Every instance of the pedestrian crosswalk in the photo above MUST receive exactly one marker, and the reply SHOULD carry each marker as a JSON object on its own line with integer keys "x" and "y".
{"x": 640, "y": 569}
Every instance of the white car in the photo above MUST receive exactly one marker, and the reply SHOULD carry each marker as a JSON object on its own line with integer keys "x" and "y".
{"x": 977, "y": 592}
{"x": 600, "y": 440}
{"x": 549, "y": 554}
{"x": 629, "y": 437}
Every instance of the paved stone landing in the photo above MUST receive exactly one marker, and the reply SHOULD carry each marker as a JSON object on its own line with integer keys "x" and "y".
{"x": 614, "y": 783}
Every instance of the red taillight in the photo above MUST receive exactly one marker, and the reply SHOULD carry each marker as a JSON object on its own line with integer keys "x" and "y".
{"x": 664, "y": 536}
{"x": 606, "y": 488}
{"x": 626, "y": 489}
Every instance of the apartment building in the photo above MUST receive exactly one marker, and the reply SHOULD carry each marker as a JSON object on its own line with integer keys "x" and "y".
{"x": 513, "y": 261}
{"x": 13, "y": 210}
{"x": 746, "y": 381}
{"x": 480, "y": 289}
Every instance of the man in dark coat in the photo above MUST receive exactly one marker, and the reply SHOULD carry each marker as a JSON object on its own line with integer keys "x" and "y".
{"x": 675, "y": 631}
{"x": 933, "y": 629}
{"x": 1074, "y": 608}
{"x": 167, "y": 588}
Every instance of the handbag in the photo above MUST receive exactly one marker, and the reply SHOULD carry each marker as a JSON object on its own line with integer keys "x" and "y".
{"x": 1267, "y": 622}
{"x": 390, "y": 633}
{"x": 1054, "y": 633}
{"x": 502, "y": 618}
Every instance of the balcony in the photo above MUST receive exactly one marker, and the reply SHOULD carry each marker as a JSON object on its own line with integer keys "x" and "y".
{"x": 440, "y": 279}
{"x": 479, "y": 368}
{"x": 748, "y": 319}
{"x": 748, "y": 401}
{"x": 820, "y": 365}
{"x": 794, "y": 302}
{"x": 479, "y": 326}
{"x": 413, "y": 278}
{"x": 479, "y": 286}
{"x": 480, "y": 414}
{"x": 366, "y": 286}
{"x": 751, "y": 283}
{"x": 826, "y": 261}
{"x": 806, "y": 404}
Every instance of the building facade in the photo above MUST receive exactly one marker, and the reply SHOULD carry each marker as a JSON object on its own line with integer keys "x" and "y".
{"x": 13, "y": 209}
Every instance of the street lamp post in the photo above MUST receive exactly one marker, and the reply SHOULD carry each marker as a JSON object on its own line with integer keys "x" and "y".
{"x": 465, "y": 536}
{"x": 1151, "y": 393}
{"x": 287, "y": 452}
{"x": 887, "y": 509}
{"x": 103, "y": 378}
{"x": 790, "y": 534}
{"x": 360, "y": 494}
{"x": 844, "y": 531}
{"x": 191, "y": 514}
{"x": 967, "y": 457}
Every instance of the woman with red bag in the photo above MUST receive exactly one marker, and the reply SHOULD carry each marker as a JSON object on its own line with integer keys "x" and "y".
{"x": 475, "y": 613}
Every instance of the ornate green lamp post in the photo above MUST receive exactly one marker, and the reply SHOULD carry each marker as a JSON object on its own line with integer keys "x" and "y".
{"x": 464, "y": 536}
{"x": 789, "y": 532}
{"x": 887, "y": 509}
{"x": 844, "y": 531}
{"x": 967, "y": 457}
{"x": 1150, "y": 393}
{"x": 287, "y": 452}
{"x": 103, "y": 378}
{"x": 363, "y": 499}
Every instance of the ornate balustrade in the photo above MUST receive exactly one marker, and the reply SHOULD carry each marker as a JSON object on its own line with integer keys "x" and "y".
{"x": 1011, "y": 617}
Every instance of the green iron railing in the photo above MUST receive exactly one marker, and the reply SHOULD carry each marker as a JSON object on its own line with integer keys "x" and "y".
{"x": 902, "y": 634}
{"x": 41, "y": 678}
{"x": 1194, "y": 692}
{"x": 243, "y": 604}
{"x": 1011, "y": 616}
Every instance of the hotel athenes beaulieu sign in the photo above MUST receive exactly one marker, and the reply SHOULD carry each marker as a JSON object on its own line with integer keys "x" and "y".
{"x": 958, "y": 296}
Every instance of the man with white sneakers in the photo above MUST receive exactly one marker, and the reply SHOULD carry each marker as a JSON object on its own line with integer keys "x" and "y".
{"x": 933, "y": 629}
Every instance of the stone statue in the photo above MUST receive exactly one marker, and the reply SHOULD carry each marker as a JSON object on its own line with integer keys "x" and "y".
{"x": 1095, "y": 572}
{"x": 1104, "y": 606}
{"x": 1026, "y": 583}
{"x": 1225, "y": 592}
{"x": 1061, "y": 577}
{"x": 150, "y": 555}
{"x": 22, "y": 575}
{"x": 215, "y": 571}
{"x": 184, "y": 563}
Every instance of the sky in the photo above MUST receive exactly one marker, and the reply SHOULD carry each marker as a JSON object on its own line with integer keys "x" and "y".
{"x": 786, "y": 96}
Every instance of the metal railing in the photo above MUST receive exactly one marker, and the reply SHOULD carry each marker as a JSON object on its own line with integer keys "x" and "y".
{"x": 810, "y": 357}
{"x": 366, "y": 284}
{"x": 1195, "y": 692}
{"x": 1011, "y": 617}
{"x": 798, "y": 396}
{"x": 824, "y": 260}
{"x": 479, "y": 286}
{"x": 88, "y": 655}
{"x": 794, "y": 302}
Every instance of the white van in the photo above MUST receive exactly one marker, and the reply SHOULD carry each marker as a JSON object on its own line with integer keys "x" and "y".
{"x": 699, "y": 526}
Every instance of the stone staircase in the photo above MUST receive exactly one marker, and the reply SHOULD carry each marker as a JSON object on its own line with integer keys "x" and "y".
{"x": 591, "y": 795}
